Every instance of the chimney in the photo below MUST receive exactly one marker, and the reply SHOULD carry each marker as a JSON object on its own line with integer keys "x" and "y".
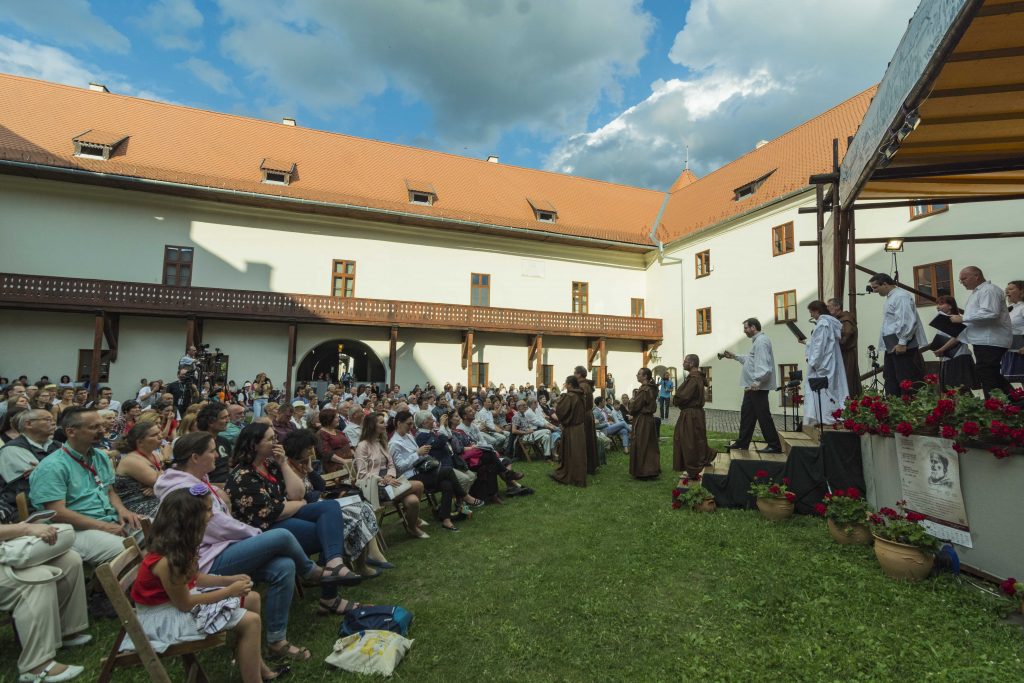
{"x": 288, "y": 121}
{"x": 760, "y": 144}
{"x": 98, "y": 87}
{"x": 492, "y": 158}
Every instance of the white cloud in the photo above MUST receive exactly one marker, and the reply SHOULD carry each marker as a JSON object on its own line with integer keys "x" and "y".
{"x": 67, "y": 22}
{"x": 753, "y": 73}
{"x": 210, "y": 75}
{"x": 483, "y": 67}
{"x": 170, "y": 22}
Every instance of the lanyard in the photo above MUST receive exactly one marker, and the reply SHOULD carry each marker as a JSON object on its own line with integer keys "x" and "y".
{"x": 266, "y": 476}
{"x": 153, "y": 462}
{"x": 86, "y": 466}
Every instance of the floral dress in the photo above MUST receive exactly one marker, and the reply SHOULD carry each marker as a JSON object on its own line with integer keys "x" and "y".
{"x": 256, "y": 500}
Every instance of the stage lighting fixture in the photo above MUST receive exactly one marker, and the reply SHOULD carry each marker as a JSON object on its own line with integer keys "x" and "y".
{"x": 910, "y": 124}
{"x": 894, "y": 245}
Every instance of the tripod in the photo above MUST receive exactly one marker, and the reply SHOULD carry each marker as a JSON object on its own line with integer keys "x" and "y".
{"x": 876, "y": 385}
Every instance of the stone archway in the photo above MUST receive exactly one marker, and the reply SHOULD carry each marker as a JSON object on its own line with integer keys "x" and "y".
{"x": 331, "y": 358}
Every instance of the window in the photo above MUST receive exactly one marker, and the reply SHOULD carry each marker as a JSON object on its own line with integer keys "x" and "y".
{"x": 933, "y": 279}
{"x": 706, "y": 371}
{"x": 275, "y": 178}
{"x": 704, "y": 320}
{"x": 580, "y": 297}
{"x": 543, "y": 210}
{"x": 702, "y": 264}
{"x": 636, "y": 308}
{"x": 421, "y": 198}
{"x": 421, "y": 192}
{"x": 745, "y": 191}
{"x": 547, "y": 375}
{"x": 97, "y": 144}
{"x": 927, "y": 210}
{"x": 178, "y": 266}
{"x": 343, "y": 279}
{"x": 91, "y": 151}
{"x": 782, "y": 239}
{"x": 276, "y": 172}
{"x": 784, "y": 371}
{"x": 785, "y": 306}
{"x": 480, "y": 289}
{"x": 478, "y": 375}
{"x": 85, "y": 364}
{"x": 546, "y": 216}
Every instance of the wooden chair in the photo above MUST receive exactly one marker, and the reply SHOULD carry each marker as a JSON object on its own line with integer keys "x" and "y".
{"x": 22, "y": 502}
{"x": 528, "y": 449}
{"x": 117, "y": 577}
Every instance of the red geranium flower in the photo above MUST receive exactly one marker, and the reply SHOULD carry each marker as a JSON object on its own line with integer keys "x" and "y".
{"x": 774, "y": 488}
{"x": 790, "y": 496}
{"x": 931, "y": 419}
{"x": 849, "y": 424}
{"x": 837, "y": 413}
{"x": 786, "y": 480}
{"x": 884, "y": 429}
{"x": 1011, "y": 411}
{"x": 1009, "y": 587}
{"x": 1017, "y": 395}
{"x": 761, "y": 474}
{"x": 827, "y": 496}
{"x": 993, "y": 404}
{"x": 797, "y": 399}
{"x": 948, "y": 432}
{"x": 950, "y": 392}
{"x": 999, "y": 429}
{"x": 676, "y": 504}
{"x": 999, "y": 452}
{"x": 906, "y": 385}
{"x": 1017, "y": 436}
{"x": 695, "y": 477}
{"x": 676, "y": 493}
{"x": 905, "y": 398}
{"x": 904, "y": 428}
{"x": 875, "y": 519}
{"x": 970, "y": 428}
{"x": 889, "y": 512}
{"x": 853, "y": 492}
{"x": 820, "y": 509}
{"x": 958, "y": 448}
{"x": 931, "y": 379}
{"x": 914, "y": 517}
{"x": 945, "y": 406}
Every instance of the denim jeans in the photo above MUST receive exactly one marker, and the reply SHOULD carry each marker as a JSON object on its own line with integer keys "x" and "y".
{"x": 663, "y": 403}
{"x": 319, "y": 528}
{"x": 273, "y": 557}
{"x": 258, "y": 404}
{"x": 620, "y": 428}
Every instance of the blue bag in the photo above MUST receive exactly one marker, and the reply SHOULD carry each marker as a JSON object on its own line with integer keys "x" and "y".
{"x": 377, "y": 618}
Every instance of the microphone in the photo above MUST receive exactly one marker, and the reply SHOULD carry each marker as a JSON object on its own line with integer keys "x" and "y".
{"x": 791, "y": 384}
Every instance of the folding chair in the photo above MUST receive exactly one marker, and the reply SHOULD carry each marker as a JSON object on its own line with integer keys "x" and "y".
{"x": 117, "y": 577}
{"x": 22, "y": 501}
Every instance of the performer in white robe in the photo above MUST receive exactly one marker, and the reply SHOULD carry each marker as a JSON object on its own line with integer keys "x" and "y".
{"x": 824, "y": 359}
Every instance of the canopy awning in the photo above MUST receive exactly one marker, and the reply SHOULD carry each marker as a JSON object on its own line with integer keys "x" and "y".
{"x": 948, "y": 118}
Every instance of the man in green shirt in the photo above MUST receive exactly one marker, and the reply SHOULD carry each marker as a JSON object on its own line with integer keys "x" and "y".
{"x": 76, "y": 482}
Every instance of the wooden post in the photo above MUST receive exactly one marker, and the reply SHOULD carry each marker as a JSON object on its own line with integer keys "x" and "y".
{"x": 602, "y": 375}
{"x": 467, "y": 356}
{"x": 292, "y": 331}
{"x": 393, "y": 357}
{"x": 851, "y": 262}
{"x": 535, "y": 356}
{"x": 190, "y": 333}
{"x": 540, "y": 362}
{"x": 820, "y": 197}
{"x": 97, "y": 354}
{"x": 111, "y": 330}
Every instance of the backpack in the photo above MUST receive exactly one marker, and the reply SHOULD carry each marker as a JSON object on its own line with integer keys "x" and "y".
{"x": 376, "y": 618}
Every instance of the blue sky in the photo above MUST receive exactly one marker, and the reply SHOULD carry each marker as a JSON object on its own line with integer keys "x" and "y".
{"x": 611, "y": 89}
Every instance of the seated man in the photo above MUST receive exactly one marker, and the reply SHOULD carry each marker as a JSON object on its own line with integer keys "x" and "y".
{"x": 527, "y": 432}
{"x": 21, "y": 455}
{"x": 236, "y": 420}
{"x": 76, "y": 482}
{"x": 489, "y": 432}
{"x": 607, "y": 424}
{"x": 539, "y": 420}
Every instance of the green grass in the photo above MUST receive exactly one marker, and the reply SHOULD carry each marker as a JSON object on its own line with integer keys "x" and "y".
{"x": 608, "y": 583}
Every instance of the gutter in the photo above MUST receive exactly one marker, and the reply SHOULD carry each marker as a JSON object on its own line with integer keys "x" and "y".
{"x": 653, "y": 236}
{"x": 150, "y": 183}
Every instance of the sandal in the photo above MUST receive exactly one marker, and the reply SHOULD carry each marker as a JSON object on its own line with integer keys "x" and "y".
{"x": 342, "y": 575}
{"x": 279, "y": 672}
{"x": 286, "y": 650}
{"x": 328, "y": 607}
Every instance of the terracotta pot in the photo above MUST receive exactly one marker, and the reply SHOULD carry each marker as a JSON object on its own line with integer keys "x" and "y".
{"x": 706, "y": 505}
{"x": 859, "y": 534}
{"x": 902, "y": 561}
{"x": 775, "y": 509}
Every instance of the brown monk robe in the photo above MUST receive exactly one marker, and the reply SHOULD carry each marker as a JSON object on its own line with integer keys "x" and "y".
{"x": 644, "y": 455}
{"x": 571, "y": 414}
{"x": 848, "y": 344}
{"x": 587, "y": 389}
{"x": 690, "y": 449}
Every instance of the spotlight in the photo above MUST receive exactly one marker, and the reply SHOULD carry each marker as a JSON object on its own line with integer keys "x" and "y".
{"x": 894, "y": 245}
{"x": 910, "y": 124}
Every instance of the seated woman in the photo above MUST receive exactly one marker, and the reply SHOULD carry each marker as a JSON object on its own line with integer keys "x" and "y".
{"x": 360, "y": 520}
{"x": 142, "y": 460}
{"x": 267, "y": 494}
{"x": 47, "y": 616}
{"x": 168, "y": 421}
{"x": 335, "y": 448}
{"x": 67, "y": 400}
{"x": 8, "y": 432}
{"x": 372, "y": 456}
{"x": 130, "y": 411}
{"x": 482, "y": 460}
{"x": 442, "y": 478}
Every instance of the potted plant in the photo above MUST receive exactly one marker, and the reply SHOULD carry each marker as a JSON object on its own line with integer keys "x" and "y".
{"x": 904, "y": 549}
{"x": 691, "y": 494}
{"x": 1014, "y": 589}
{"x": 775, "y": 501}
{"x": 846, "y": 513}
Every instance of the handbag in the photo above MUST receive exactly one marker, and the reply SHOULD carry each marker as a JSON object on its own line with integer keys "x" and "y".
{"x": 20, "y": 558}
{"x": 426, "y": 464}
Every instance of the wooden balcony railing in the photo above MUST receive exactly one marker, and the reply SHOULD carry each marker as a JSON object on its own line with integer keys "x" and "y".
{"x": 76, "y": 294}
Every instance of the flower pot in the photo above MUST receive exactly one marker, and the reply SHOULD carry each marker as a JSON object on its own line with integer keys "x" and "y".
{"x": 775, "y": 509}
{"x": 706, "y": 505}
{"x": 902, "y": 561}
{"x": 858, "y": 534}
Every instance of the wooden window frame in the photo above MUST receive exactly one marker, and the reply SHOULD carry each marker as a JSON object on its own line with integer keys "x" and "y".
{"x": 580, "y": 297}
{"x": 702, "y": 264}
{"x": 636, "y": 305}
{"x": 706, "y": 371}
{"x": 84, "y": 367}
{"x": 479, "y": 287}
{"x": 920, "y": 301}
{"x": 343, "y": 276}
{"x": 177, "y": 264}
{"x": 784, "y": 370}
{"x": 704, "y": 320}
{"x": 788, "y": 245}
{"x": 929, "y": 210}
{"x": 474, "y": 374}
{"x": 785, "y": 306}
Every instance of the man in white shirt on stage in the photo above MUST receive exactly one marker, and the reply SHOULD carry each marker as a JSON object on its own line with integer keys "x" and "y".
{"x": 757, "y": 379}
{"x": 989, "y": 331}
{"x": 824, "y": 360}
{"x": 902, "y": 325}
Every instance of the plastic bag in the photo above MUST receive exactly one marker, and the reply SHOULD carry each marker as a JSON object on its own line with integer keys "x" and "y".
{"x": 369, "y": 652}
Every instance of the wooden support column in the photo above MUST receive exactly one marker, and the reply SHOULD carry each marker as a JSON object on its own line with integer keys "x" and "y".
{"x": 820, "y": 197}
{"x": 97, "y": 355}
{"x": 648, "y": 348}
{"x": 467, "y": 356}
{"x": 851, "y": 263}
{"x": 111, "y": 330}
{"x": 838, "y": 229}
{"x": 592, "y": 349}
{"x": 602, "y": 375}
{"x": 393, "y": 357}
{"x": 190, "y": 333}
{"x": 535, "y": 357}
{"x": 292, "y": 332}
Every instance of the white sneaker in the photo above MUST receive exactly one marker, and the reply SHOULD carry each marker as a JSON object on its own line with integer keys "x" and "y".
{"x": 72, "y": 671}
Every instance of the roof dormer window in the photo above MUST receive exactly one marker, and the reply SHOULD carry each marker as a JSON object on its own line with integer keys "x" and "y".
{"x": 745, "y": 191}
{"x": 97, "y": 144}
{"x": 421, "y": 192}
{"x": 277, "y": 172}
{"x": 543, "y": 210}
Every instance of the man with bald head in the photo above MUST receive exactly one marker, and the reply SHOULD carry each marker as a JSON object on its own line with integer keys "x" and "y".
{"x": 988, "y": 328}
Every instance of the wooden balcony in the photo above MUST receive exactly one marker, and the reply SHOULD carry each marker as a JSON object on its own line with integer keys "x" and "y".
{"x": 37, "y": 292}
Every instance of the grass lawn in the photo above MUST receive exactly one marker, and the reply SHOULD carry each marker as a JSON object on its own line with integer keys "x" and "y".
{"x": 608, "y": 583}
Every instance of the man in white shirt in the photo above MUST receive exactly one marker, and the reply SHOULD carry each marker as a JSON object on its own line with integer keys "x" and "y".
{"x": 901, "y": 337}
{"x": 539, "y": 420}
{"x": 757, "y": 379}
{"x": 989, "y": 331}
{"x": 484, "y": 421}
{"x": 354, "y": 429}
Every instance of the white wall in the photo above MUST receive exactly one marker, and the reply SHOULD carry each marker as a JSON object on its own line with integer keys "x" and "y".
{"x": 37, "y": 344}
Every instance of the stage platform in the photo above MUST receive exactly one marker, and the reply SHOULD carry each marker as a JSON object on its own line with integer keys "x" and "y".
{"x": 789, "y": 440}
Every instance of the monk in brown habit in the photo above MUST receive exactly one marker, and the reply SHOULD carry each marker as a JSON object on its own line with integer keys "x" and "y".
{"x": 848, "y": 345}
{"x": 587, "y": 389}
{"x": 690, "y": 449}
{"x": 571, "y": 415}
{"x": 644, "y": 455}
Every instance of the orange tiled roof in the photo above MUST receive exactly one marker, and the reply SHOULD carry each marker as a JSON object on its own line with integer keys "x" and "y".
{"x": 794, "y": 157}
{"x": 168, "y": 142}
